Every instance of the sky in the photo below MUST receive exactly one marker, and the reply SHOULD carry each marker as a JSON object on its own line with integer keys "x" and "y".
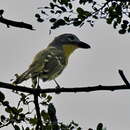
{"x": 96, "y": 66}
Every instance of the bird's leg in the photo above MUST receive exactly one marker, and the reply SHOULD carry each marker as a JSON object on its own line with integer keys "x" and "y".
{"x": 38, "y": 86}
{"x": 34, "y": 82}
{"x": 58, "y": 86}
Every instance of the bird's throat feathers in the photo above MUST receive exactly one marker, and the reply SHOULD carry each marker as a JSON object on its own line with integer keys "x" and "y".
{"x": 68, "y": 49}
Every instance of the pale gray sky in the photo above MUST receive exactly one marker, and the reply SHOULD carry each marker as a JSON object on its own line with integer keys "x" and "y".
{"x": 98, "y": 65}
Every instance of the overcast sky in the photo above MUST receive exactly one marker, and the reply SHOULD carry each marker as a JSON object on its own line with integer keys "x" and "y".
{"x": 98, "y": 65}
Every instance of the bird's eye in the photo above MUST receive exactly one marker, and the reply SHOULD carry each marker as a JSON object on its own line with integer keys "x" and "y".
{"x": 70, "y": 37}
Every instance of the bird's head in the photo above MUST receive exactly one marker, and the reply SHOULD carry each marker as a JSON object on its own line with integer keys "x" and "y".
{"x": 69, "y": 42}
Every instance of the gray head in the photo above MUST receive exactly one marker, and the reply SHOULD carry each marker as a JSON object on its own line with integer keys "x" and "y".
{"x": 69, "y": 39}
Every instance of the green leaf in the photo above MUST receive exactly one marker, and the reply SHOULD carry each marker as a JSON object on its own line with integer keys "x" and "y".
{"x": 115, "y": 24}
{"x": 54, "y": 1}
{"x": 52, "y": 20}
{"x": 128, "y": 29}
{"x": 33, "y": 121}
{"x": 66, "y": 19}
{"x": 2, "y": 117}
{"x": 79, "y": 128}
{"x": 22, "y": 116}
{"x": 0, "y": 123}
{"x": 125, "y": 22}
{"x": 44, "y": 115}
{"x": 40, "y": 20}
{"x": 70, "y": 6}
{"x": 44, "y": 95}
{"x": 51, "y": 5}
{"x": 8, "y": 110}
{"x": 109, "y": 20}
{"x": 20, "y": 110}
{"x": 79, "y": 10}
{"x": 37, "y": 15}
{"x": 77, "y": 23}
{"x": 16, "y": 127}
{"x": 100, "y": 126}
{"x": 2, "y": 96}
{"x": 95, "y": 17}
{"x": 49, "y": 98}
{"x": 27, "y": 128}
{"x": 63, "y": 9}
{"x": 123, "y": 26}
{"x": 122, "y": 31}
{"x": 118, "y": 20}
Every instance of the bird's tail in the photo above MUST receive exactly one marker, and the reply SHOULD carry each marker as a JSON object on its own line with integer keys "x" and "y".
{"x": 26, "y": 75}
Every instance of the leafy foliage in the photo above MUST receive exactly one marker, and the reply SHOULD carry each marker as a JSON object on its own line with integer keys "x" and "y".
{"x": 23, "y": 117}
{"x": 76, "y": 13}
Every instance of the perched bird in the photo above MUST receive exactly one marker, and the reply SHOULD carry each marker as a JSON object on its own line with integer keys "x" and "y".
{"x": 50, "y": 62}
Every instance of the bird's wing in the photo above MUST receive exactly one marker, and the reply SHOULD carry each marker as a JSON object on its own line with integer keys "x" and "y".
{"x": 48, "y": 64}
{"x": 34, "y": 67}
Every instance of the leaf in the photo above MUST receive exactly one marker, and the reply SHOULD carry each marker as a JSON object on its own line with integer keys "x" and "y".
{"x": 52, "y": 20}
{"x": 122, "y": 31}
{"x": 2, "y": 117}
{"x": 27, "y": 128}
{"x": 49, "y": 98}
{"x": 16, "y": 127}
{"x": 5, "y": 103}
{"x": 8, "y": 110}
{"x": 100, "y": 126}
{"x": 63, "y": 9}
{"x": 128, "y": 29}
{"x": 44, "y": 95}
{"x": 58, "y": 23}
{"x": 37, "y": 15}
{"x": 70, "y": 5}
{"x": 123, "y": 26}
{"x": 115, "y": 24}
{"x": 79, "y": 128}
{"x": 33, "y": 121}
{"x": 79, "y": 10}
{"x": 54, "y": 1}
{"x": 95, "y": 17}
{"x": 20, "y": 110}
{"x": 44, "y": 115}
{"x": 40, "y": 20}
{"x": 51, "y": 5}
{"x": 66, "y": 19}
{"x": 2, "y": 96}
{"x": 109, "y": 20}
{"x": 125, "y": 22}
{"x": 77, "y": 23}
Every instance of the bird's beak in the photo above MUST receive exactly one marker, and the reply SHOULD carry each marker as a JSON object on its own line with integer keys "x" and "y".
{"x": 83, "y": 45}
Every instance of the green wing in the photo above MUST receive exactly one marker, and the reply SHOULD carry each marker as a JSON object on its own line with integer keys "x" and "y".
{"x": 48, "y": 64}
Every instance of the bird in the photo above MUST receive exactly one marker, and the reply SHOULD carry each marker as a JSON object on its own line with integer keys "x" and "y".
{"x": 50, "y": 62}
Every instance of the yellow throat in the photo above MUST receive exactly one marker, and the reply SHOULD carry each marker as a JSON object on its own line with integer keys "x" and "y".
{"x": 68, "y": 50}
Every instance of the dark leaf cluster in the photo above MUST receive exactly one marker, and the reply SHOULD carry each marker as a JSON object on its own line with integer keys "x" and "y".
{"x": 22, "y": 117}
{"x": 65, "y": 12}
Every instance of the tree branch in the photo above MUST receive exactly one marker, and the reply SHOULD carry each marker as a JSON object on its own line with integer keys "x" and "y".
{"x": 14, "y": 23}
{"x": 68, "y": 90}
{"x": 39, "y": 120}
{"x": 124, "y": 78}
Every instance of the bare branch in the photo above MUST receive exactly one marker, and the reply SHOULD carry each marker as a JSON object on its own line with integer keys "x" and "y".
{"x": 59, "y": 90}
{"x": 9, "y": 23}
{"x": 124, "y": 78}
{"x": 39, "y": 123}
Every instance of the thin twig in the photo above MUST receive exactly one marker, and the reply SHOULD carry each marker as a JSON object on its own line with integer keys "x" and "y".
{"x": 124, "y": 78}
